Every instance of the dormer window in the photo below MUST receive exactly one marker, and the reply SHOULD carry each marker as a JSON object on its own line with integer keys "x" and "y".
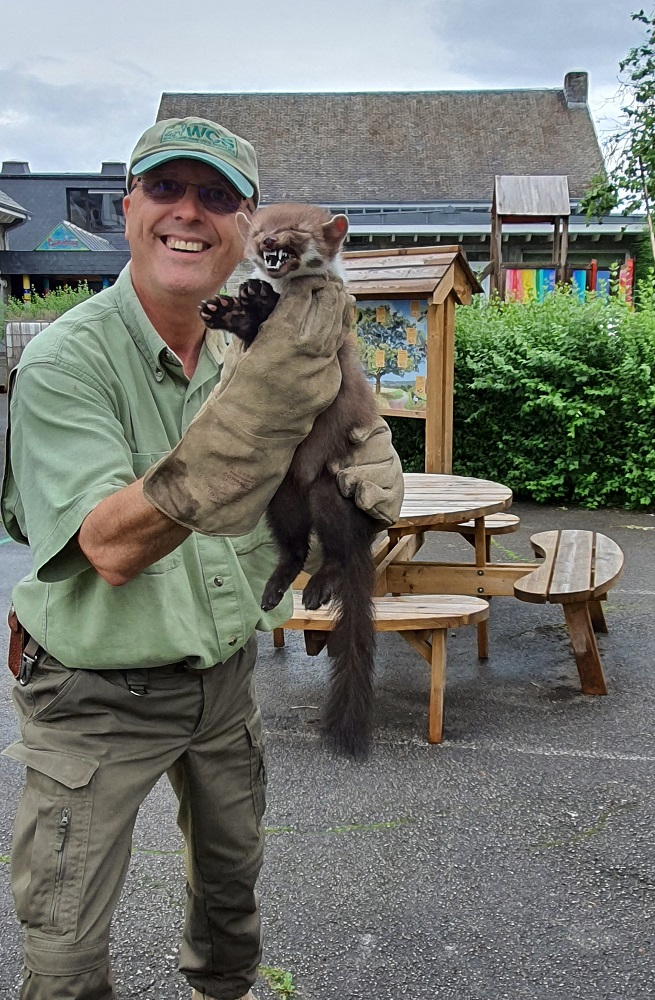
{"x": 97, "y": 211}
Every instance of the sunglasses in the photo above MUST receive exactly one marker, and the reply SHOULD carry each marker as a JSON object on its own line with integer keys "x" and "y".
{"x": 219, "y": 199}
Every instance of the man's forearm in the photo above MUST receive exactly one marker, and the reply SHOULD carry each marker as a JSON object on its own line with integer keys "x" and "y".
{"x": 124, "y": 534}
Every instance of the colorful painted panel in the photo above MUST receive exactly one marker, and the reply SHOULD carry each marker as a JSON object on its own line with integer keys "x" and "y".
{"x": 603, "y": 278}
{"x": 523, "y": 285}
{"x": 626, "y": 279}
{"x": 62, "y": 238}
{"x": 392, "y": 341}
{"x": 579, "y": 283}
{"x": 529, "y": 285}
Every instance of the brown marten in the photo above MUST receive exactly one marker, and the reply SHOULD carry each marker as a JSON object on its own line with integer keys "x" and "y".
{"x": 284, "y": 242}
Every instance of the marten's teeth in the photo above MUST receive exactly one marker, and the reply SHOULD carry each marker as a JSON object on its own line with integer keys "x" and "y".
{"x": 274, "y": 259}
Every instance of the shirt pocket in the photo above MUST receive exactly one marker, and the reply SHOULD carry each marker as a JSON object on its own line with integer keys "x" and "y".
{"x": 141, "y": 462}
{"x": 255, "y": 539}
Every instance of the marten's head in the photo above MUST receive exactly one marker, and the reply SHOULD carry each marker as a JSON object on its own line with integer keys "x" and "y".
{"x": 289, "y": 240}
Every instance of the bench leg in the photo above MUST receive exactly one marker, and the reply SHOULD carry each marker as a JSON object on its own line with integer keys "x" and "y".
{"x": 315, "y": 641}
{"x": 278, "y": 638}
{"x": 597, "y": 616}
{"x": 483, "y": 636}
{"x": 437, "y": 683}
{"x": 583, "y": 640}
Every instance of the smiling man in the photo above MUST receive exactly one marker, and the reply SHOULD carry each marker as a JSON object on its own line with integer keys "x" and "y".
{"x": 134, "y": 634}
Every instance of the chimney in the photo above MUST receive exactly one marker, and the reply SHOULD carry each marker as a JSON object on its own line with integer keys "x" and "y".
{"x": 576, "y": 89}
{"x": 113, "y": 167}
{"x": 15, "y": 167}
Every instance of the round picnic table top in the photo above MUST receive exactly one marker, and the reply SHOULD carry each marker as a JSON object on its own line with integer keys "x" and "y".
{"x": 432, "y": 499}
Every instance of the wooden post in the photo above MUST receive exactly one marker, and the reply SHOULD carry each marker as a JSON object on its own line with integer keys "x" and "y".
{"x": 564, "y": 246}
{"x": 448, "y": 383}
{"x": 496, "y": 253}
{"x": 434, "y": 424}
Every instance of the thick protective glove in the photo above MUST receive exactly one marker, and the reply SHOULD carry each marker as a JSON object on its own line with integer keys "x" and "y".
{"x": 236, "y": 451}
{"x": 372, "y": 474}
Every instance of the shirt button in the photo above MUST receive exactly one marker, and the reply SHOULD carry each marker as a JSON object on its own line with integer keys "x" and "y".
{"x": 218, "y": 581}
{"x": 159, "y": 374}
{"x": 232, "y": 641}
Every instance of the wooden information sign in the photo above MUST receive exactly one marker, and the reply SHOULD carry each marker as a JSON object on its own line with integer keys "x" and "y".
{"x": 405, "y": 332}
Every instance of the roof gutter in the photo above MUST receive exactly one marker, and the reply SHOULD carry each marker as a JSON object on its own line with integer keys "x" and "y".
{"x": 534, "y": 229}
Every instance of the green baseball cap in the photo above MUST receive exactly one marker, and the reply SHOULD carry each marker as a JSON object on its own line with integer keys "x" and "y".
{"x": 197, "y": 139}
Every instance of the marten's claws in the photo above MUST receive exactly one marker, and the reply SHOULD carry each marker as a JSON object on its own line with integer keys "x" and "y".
{"x": 271, "y": 598}
{"x": 319, "y": 591}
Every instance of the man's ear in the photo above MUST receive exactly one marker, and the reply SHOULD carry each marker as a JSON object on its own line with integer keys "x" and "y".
{"x": 335, "y": 230}
{"x": 126, "y": 208}
{"x": 244, "y": 225}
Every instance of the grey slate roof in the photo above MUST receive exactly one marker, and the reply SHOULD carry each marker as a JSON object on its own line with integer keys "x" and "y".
{"x": 91, "y": 240}
{"x": 408, "y": 147}
{"x": 10, "y": 210}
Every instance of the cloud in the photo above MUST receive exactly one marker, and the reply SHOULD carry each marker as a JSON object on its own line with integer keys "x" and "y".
{"x": 92, "y": 84}
{"x": 68, "y": 127}
{"x": 534, "y": 44}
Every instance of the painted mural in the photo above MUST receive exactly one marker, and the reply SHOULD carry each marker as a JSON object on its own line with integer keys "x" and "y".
{"x": 392, "y": 344}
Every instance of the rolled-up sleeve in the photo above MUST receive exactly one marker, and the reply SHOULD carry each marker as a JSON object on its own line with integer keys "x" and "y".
{"x": 66, "y": 451}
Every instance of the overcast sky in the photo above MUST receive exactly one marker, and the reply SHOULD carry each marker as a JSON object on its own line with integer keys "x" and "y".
{"x": 80, "y": 80}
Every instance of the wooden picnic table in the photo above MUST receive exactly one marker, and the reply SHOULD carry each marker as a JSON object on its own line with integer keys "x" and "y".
{"x": 437, "y": 502}
{"x": 440, "y": 502}
{"x": 578, "y": 569}
{"x": 440, "y": 499}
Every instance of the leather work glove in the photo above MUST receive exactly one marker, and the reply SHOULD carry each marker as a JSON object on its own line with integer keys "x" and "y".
{"x": 373, "y": 475}
{"x": 236, "y": 451}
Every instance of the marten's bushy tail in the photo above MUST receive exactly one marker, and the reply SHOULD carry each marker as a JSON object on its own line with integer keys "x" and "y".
{"x": 348, "y": 716}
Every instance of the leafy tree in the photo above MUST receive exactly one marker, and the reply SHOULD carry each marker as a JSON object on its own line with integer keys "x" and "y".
{"x": 630, "y": 181}
{"x": 388, "y": 335}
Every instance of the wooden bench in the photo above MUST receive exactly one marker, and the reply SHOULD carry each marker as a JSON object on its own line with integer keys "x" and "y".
{"x": 421, "y": 621}
{"x": 384, "y": 551}
{"x": 494, "y": 524}
{"x": 578, "y": 570}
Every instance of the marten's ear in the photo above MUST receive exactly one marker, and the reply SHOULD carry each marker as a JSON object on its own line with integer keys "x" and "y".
{"x": 335, "y": 230}
{"x": 244, "y": 225}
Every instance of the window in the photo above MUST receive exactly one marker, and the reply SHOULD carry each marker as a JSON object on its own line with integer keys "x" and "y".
{"x": 96, "y": 211}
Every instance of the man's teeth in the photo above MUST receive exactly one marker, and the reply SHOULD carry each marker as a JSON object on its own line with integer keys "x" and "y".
{"x": 274, "y": 259}
{"x": 188, "y": 245}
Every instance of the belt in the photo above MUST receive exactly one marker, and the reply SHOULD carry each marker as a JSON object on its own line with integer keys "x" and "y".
{"x": 137, "y": 679}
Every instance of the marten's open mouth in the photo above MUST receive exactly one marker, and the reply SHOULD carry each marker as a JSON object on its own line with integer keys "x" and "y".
{"x": 275, "y": 260}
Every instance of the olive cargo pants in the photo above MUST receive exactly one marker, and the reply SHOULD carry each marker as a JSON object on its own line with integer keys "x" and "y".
{"x": 95, "y": 743}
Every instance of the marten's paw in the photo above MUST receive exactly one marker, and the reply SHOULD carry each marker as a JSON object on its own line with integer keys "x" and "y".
{"x": 256, "y": 290}
{"x": 258, "y": 299}
{"x": 272, "y": 595}
{"x": 218, "y": 313}
{"x": 320, "y": 589}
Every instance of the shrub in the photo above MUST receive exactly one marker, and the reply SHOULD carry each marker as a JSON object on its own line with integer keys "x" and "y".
{"x": 555, "y": 399}
{"x": 45, "y": 307}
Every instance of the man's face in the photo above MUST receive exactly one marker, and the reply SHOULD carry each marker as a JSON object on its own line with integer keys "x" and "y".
{"x": 213, "y": 246}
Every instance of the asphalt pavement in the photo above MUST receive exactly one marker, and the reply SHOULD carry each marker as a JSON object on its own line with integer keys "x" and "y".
{"x": 515, "y": 860}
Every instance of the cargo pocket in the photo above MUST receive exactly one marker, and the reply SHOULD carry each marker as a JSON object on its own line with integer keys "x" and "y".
{"x": 257, "y": 765}
{"x": 50, "y": 838}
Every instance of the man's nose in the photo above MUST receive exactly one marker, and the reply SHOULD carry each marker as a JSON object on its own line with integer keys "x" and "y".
{"x": 189, "y": 205}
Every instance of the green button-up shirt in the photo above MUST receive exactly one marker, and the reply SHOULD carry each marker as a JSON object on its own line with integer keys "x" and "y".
{"x": 97, "y": 398}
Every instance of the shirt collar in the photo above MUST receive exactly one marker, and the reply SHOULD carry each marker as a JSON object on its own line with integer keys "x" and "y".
{"x": 152, "y": 346}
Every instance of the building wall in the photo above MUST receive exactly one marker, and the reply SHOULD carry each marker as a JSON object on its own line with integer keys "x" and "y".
{"x": 44, "y": 197}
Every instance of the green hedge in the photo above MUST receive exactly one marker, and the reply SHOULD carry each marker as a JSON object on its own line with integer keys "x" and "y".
{"x": 554, "y": 399}
{"x": 44, "y": 307}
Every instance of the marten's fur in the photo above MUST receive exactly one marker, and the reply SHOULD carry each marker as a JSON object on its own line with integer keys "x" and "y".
{"x": 284, "y": 242}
